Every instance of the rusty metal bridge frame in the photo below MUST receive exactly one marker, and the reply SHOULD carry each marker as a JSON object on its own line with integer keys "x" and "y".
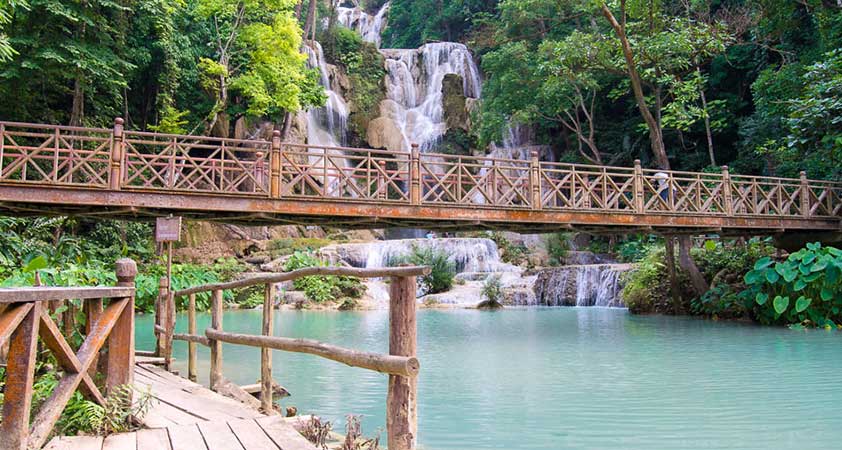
{"x": 59, "y": 170}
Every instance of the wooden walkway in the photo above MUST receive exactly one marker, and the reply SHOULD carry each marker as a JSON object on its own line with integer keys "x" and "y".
{"x": 187, "y": 416}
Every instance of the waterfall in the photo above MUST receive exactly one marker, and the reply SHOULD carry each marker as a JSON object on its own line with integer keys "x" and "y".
{"x": 414, "y": 84}
{"x": 327, "y": 125}
{"x": 368, "y": 26}
{"x": 469, "y": 255}
{"x": 581, "y": 285}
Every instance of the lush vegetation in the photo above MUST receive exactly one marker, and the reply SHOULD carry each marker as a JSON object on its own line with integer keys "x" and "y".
{"x": 492, "y": 292}
{"x": 442, "y": 269}
{"x": 322, "y": 288}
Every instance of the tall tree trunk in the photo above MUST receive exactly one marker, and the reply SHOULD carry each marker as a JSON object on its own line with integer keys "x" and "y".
{"x": 708, "y": 133}
{"x": 311, "y": 19}
{"x": 700, "y": 285}
{"x": 298, "y": 9}
{"x": 669, "y": 246}
{"x": 656, "y": 137}
{"x": 77, "y": 110}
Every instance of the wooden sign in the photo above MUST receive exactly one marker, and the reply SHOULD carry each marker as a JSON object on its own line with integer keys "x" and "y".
{"x": 168, "y": 229}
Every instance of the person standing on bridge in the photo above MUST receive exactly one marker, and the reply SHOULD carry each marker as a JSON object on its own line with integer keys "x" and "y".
{"x": 663, "y": 186}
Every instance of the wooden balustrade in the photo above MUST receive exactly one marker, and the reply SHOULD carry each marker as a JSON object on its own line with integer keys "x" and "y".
{"x": 26, "y": 318}
{"x": 125, "y": 160}
{"x": 401, "y": 364}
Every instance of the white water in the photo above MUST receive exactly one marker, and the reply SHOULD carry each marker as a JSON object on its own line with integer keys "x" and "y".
{"x": 414, "y": 84}
{"x": 581, "y": 285}
{"x": 327, "y": 125}
{"x": 368, "y": 26}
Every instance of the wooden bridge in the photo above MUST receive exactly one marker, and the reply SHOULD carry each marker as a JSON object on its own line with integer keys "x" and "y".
{"x": 47, "y": 169}
{"x": 184, "y": 415}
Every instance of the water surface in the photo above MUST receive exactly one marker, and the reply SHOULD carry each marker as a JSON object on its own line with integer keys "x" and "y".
{"x": 564, "y": 378}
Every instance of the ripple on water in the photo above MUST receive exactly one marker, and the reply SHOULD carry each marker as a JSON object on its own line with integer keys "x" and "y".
{"x": 568, "y": 378}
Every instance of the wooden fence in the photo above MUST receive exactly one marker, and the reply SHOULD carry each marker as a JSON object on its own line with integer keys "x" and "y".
{"x": 24, "y": 316}
{"x": 400, "y": 364}
{"x": 119, "y": 159}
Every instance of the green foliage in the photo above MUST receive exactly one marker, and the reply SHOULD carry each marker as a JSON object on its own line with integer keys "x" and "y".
{"x": 509, "y": 252}
{"x": 492, "y": 291}
{"x": 415, "y": 22}
{"x": 645, "y": 287}
{"x": 558, "y": 244}
{"x": 287, "y": 246}
{"x": 806, "y": 288}
{"x": 7, "y": 8}
{"x": 322, "y": 288}
{"x": 442, "y": 270}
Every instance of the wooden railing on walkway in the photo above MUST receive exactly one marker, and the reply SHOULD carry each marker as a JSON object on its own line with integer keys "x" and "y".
{"x": 24, "y": 317}
{"x": 400, "y": 364}
{"x": 119, "y": 159}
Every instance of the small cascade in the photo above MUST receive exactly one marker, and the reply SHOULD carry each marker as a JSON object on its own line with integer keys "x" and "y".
{"x": 468, "y": 254}
{"x": 414, "y": 87}
{"x": 327, "y": 125}
{"x": 581, "y": 285}
{"x": 368, "y": 26}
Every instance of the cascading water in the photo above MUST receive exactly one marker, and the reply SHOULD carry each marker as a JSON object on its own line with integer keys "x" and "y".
{"x": 414, "y": 86}
{"x": 467, "y": 254}
{"x": 367, "y": 25}
{"x": 581, "y": 285}
{"x": 327, "y": 125}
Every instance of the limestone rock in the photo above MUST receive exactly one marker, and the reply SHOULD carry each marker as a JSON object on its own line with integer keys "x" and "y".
{"x": 384, "y": 133}
{"x": 453, "y": 102}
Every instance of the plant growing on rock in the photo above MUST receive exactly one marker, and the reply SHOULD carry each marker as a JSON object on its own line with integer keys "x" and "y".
{"x": 442, "y": 270}
{"x": 322, "y": 288}
{"x": 492, "y": 291}
{"x": 804, "y": 289}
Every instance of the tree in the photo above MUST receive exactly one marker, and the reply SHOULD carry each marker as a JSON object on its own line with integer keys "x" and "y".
{"x": 7, "y": 9}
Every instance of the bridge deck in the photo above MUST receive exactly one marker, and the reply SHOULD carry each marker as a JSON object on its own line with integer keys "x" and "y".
{"x": 187, "y": 416}
{"x": 118, "y": 173}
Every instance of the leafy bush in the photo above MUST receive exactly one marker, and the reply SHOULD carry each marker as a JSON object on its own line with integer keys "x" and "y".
{"x": 492, "y": 291}
{"x": 558, "y": 245}
{"x": 288, "y": 246}
{"x": 322, "y": 288}
{"x": 442, "y": 270}
{"x": 646, "y": 287}
{"x": 805, "y": 289}
{"x": 509, "y": 252}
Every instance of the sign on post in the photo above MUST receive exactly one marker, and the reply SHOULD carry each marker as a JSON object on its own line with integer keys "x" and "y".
{"x": 168, "y": 229}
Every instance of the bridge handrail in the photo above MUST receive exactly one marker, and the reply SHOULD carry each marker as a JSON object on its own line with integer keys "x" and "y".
{"x": 25, "y": 314}
{"x": 119, "y": 159}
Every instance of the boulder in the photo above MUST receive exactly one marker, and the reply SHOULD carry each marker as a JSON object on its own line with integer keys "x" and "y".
{"x": 384, "y": 133}
{"x": 453, "y": 103}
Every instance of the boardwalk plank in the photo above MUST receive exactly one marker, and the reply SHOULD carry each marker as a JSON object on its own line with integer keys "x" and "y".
{"x": 251, "y": 435}
{"x": 122, "y": 441}
{"x": 75, "y": 443}
{"x": 157, "y": 439}
{"x": 186, "y": 437}
{"x": 197, "y": 403}
{"x": 219, "y": 436}
{"x": 283, "y": 434}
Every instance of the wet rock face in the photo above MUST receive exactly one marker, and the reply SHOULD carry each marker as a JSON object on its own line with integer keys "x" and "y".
{"x": 453, "y": 103}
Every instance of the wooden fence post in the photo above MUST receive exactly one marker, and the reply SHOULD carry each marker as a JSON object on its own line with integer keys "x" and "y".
{"x": 415, "y": 175}
{"x": 161, "y": 318}
{"x": 215, "y": 345}
{"x": 275, "y": 166}
{"x": 805, "y": 195}
{"x": 382, "y": 187}
{"x": 116, "y": 173}
{"x": 535, "y": 180}
{"x": 191, "y": 346}
{"x": 93, "y": 310}
{"x": 401, "y": 405}
{"x": 20, "y": 374}
{"x": 727, "y": 194}
{"x": 121, "y": 339}
{"x": 266, "y": 390}
{"x": 639, "y": 201}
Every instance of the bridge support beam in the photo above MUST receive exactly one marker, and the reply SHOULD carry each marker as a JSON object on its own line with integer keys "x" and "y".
{"x": 115, "y": 173}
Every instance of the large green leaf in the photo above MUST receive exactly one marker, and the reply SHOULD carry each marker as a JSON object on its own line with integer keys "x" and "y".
{"x": 819, "y": 265}
{"x": 761, "y": 298}
{"x": 754, "y": 276}
{"x": 826, "y": 293}
{"x": 763, "y": 263}
{"x": 800, "y": 284}
{"x": 780, "y": 304}
{"x": 790, "y": 273}
{"x": 771, "y": 276}
{"x": 802, "y": 303}
{"x": 808, "y": 258}
{"x": 805, "y": 269}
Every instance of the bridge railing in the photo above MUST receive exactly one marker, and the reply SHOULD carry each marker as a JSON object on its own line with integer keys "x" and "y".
{"x": 401, "y": 363}
{"x": 141, "y": 161}
{"x": 24, "y": 317}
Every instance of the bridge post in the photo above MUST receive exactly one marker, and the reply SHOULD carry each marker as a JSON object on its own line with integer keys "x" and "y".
{"x": 116, "y": 172}
{"x": 535, "y": 180}
{"x": 121, "y": 341}
{"x": 382, "y": 186}
{"x": 727, "y": 195}
{"x": 805, "y": 195}
{"x": 275, "y": 166}
{"x": 415, "y": 175}
{"x": 639, "y": 204}
{"x": 401, "y": 399}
